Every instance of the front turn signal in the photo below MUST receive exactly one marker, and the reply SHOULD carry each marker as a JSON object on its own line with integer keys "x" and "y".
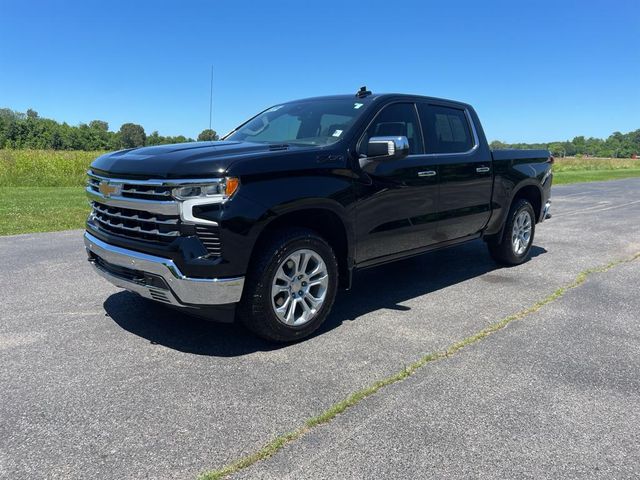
{"x": 232, "y": 184}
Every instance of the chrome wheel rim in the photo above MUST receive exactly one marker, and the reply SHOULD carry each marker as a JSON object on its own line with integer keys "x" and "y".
{"x": 299, "y": 287}
{"x": 521, "y": 232}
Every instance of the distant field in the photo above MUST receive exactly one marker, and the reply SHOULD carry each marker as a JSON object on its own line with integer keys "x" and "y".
{"x": 578, "y": 176}
{"x": 576, "y": 163}
{"x": 43, "y": 191}
{"x": 574, "y": 170}
{"x": 44, "y": 168}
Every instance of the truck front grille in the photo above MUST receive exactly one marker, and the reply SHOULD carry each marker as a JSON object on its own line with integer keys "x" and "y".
{"x": 136, "y": 224}
{"x": 136, "y": 190}
{"x": 145, "y": 210}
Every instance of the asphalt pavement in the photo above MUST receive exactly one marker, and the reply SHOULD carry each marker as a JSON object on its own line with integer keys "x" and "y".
{"x": 96, "y": 382}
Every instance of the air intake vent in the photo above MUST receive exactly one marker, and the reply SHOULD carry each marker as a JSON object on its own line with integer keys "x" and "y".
{"x": 210, "y": 238}
{"x": 159, "y": 295}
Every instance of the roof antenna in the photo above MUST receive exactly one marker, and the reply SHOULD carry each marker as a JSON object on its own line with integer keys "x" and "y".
{"x": 211, "y": 98}
{"x": 363, "y": 92}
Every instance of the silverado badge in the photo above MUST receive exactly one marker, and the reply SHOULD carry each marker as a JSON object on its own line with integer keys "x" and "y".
{"x": 107, "y": 189}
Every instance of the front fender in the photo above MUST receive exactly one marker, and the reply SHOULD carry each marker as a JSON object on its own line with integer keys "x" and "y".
{"x": 271, "y": 199}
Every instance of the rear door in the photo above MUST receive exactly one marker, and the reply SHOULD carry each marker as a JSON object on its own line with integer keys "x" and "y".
{"x": 397, "y": 201}
{"x": 464, "y": 170}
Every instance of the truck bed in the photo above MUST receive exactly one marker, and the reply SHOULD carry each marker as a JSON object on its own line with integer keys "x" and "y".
{"x": 515, "y": 154}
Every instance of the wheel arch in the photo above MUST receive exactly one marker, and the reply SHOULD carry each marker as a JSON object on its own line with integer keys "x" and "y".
{"x": 532, "y": 192}
{"x": 325, "y": 219}
{"x": 528, "y": 190}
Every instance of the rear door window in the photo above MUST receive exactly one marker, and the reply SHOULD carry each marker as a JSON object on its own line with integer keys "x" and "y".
{"x": 446, "y": 130}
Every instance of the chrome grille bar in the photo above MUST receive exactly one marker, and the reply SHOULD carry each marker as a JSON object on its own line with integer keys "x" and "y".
{"x": 169, "y": 182}
{"x": 134, "y": 217}
{"x": 153, "y": 193}
{"x": 151, "y": 206}
{"x": 121, "y": 226}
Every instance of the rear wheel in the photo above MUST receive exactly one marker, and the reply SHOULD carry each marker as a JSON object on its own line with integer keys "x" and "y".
{"x": 290, "y": 287}
{"x": 515, "y": 246}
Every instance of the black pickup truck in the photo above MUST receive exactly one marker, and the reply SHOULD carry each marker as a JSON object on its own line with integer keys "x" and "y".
{"x": 266, "y": 224}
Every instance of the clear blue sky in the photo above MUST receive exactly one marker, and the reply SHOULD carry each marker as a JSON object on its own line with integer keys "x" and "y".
{"x": 534, "y": 70}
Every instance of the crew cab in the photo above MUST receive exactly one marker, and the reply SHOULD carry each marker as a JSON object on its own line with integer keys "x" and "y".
{"x": 267, "y": 224}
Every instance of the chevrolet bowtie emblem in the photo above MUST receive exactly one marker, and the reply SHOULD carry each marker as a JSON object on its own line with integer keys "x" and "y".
{"x": 108, "y": 189}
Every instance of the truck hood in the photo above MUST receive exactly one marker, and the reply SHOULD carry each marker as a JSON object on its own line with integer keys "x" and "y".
{"x": 195, "y": 159}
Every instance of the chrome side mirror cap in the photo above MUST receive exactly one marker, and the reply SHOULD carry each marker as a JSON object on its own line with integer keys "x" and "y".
{"x": 385, "y": 149}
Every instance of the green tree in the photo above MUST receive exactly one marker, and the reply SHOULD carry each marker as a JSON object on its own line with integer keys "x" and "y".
{"x": 132, "y": 135}
{"x": 208, "y": 135}
{"x": 99, "y": 125}
{"x": 154, "y": 138}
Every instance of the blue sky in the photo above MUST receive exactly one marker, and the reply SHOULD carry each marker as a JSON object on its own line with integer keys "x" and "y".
{"x": 534, "y": 70}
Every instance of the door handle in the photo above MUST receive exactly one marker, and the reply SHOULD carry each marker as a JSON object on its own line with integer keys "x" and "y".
{"x": 482, "y": 169}
{"x": 427, "y": 173}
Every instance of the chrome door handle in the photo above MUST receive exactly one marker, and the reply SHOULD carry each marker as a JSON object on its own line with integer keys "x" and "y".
{"x": 428, "y": 173}
{"x": 482, "y": 169}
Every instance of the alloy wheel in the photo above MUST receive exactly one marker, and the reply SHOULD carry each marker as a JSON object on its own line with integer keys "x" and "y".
{"x": 521, "y": 232}
{"x": 299, "y": 287}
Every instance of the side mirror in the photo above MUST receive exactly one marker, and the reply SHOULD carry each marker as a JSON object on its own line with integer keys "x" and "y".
{"x": 385, "y": 149}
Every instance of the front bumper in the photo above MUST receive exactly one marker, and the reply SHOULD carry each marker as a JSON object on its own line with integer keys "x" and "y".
{"x": 159, "y": 278}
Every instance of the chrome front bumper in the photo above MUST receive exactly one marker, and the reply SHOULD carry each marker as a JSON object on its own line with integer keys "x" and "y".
{"x": 158, "y": 278}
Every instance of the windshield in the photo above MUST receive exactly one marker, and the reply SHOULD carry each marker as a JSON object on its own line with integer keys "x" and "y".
{"x": 310, "y": 122}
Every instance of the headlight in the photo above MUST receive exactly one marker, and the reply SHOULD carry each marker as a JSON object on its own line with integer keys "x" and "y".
{"x": 221, "y": 190}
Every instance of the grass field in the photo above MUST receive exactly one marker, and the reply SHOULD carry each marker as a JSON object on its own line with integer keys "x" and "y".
{"x": 577, "y": 176}
{"x": 41, "y": 209}
{"x": 44, "y": 168}
{"x": 42, "y": 191}
{"x": 574, "y": 170}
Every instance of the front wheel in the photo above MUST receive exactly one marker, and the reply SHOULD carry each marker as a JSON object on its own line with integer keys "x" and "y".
{"x": 515, "y": 246}
{"x": 290, "y": 287}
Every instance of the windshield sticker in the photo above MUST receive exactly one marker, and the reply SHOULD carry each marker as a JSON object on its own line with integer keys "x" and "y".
{"x": 274, "y": 109}
{"x": 357, "y": 105}
{"x": 337, "y": 133}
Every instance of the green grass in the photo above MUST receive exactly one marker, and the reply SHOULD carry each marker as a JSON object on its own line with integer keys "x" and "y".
{"x": 577, "y": 176}
{"x": 43, "y": 190}
{"x": 575, "y": 169}
{"x": 278, "y": 443}
{"x": 41, "y": 209}
{"x": 44, "y": 168}
{"x": 594, "y": 163}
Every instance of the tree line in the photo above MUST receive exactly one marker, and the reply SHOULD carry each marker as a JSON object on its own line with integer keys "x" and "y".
{"x": 29, "y": 130}
{"x": 617, "y": 145}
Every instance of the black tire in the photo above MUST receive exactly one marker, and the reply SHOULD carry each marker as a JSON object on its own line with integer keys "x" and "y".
{"x": 504, "y": 252}
{"x": 256, "y": 311}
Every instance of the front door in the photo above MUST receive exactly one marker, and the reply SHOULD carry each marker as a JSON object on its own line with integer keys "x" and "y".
{"x": 397, "y": 206}
{"x": 464, "y": 170}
